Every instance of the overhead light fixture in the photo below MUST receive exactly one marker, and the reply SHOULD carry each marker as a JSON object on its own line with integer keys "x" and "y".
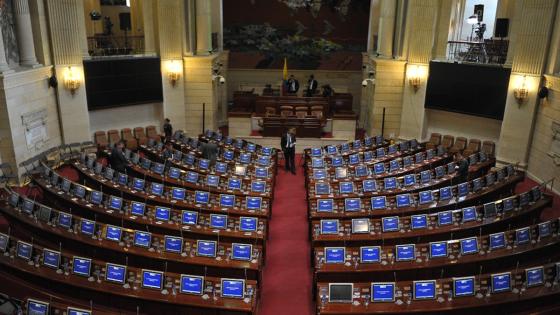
{"x": 520, "y": 92}
{"x": 174, "y": 71}
{"x": 473, "y": 19}
{"x": 72, "y": 79}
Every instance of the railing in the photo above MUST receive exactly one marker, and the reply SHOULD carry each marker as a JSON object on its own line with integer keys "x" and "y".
{"x": 489, "y": 51}
{"x": 109, "y": 45}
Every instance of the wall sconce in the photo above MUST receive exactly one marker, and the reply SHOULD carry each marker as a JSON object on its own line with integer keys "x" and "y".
{"x": 414, "y": 78}
{"x": 174, "y": 72}
{"x": 520, "y": 92}
{"x": 72, "y": 79}
{"x": 220, "y": 78}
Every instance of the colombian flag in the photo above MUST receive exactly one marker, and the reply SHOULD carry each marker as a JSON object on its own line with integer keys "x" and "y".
{"x": 285, "y": 72}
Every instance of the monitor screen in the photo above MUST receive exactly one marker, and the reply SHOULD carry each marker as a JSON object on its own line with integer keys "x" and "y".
{"x": 137, "y": 208}
{"x": 394, "y": 165}
{"x": 189, "y": 217}
{"x": 469, "y": 246}
{"x": 341, "y": 172}
{"x": 407, "y": 161}
{"x": 383, "y": 292}
{"x": 96, "y": 197}
{"x": 227, "y": 201}
{"x": 425, "y": 177}
{"x": 191, "y": 177}
{"x": 524, "y": 199}
{"x": 379, "y": 168}
{"x": 202, "y": 197}
{"x": 218, "y": 221}
{"x": 500, "y": 174}
{"x": 424, "y": 290}
{"x": 319, "y": 174}
{"x": 263, "y": 160}
{"x": 206, "y": 248}
{"x": 429, "y": 154}
{"x": 357, "y": 144}
{"x": 445, "y": 193}
{"x": 340, "y": 292}
{"x": 463, "y": 189}
{"x": 251, "y": 147}
{"x": 463, "y": 286}
{"x": 222, "y": 168}
{"x": 536, "y": 193}
{"x": 234, "y": 184}
{"x": 368, "y": 156}
{"x": 534, "y": 276}
{"x": 325, "y": 205}
{"x": 138, "y": 184}
{"x": 261, "y": 172}
{"x": 352, "y": 204}
{"x": 35, "y": 307}
{"x": 425, "y": 197}
{"x": 322, "y": 189}
{"x": 157, "y": 189}
{"x": 66, "y": 184}
{"x": 241, "y": 251}
{"x": 192, "y": 284}
{"x": 173, "y": 244}
{"x": 178, "y": 193}
{"x": 490, "y": 179}
{"x": 418, "y": 157}
{"x": 370, "y": 254}
{"x": 337, "y": 161}
{"x": 451, "y": 168}
{"x": 345, "y": 147}
{"x": 238, "y": 143}
{"x": 361, "y": 171}
{"x": 64, "y": 220}
{"x": 232, "y": 288}
{"x": 360, "y": 225}
{"x": 354, "y": 159}
{"x": 76, "y": 311}
{"x": 115, "y": 203}
{"x": 203, "y": 164}
{"x": 378, "y": 203}
{"x": 152, "y": 279}
{"x": 403, "y": 146}
{"x": 331, "y": 149}
{"x": 335, "y": 255}
{"x": 508, "y": 204}
{"x": 501, "y": 282}
{"x": 228, "y": 155}
{"x": 14, "y": 199}
{"x": 240, "y": 170}
{"x": 316, "y": 152}
{"x": 392, "y": 149}
{"x": 44, "y": 214}
{"x": 390, "y": 183}
{"x": 142, "y": 239}
{"x": 81, "y": 266}
{"x": 368, "y": 141}
{"x": 113, "y": 233}
{"x": 405, "y": 252}
{"x": 473, "y": 158}
{"x": 189, "y": 159}
{"x": 390, "y": 224}
{"x": 28, "y": 206}
{"x": 317, "y": 162}
{"x": 174, "y": 173}
{"x": 4, "y": 240}
{"x": 163, "y": 214}
{"x": 419, "y": 221}
{"x": 248, "y": 224}
{"x": 522, "y": 236}
{"x": 497, "y": 241}
{"x": 258, "y": 186}
{"x": 51, "y": 258}
{"x": 369, "y": 185}
{"x": 245, "y": 158}
{"x": 403, "y": 200}
{"x": 545, "y": 229}
{"x": 438, "y": 249}
{"x": 87, "y": 227}
{"x": 440, "y": 171}
{"x": 489, "y": 209}
{"x": 158, "y": 168}
{"x": 329, "y": 226}
{"x": 445, "y": 218}
{"x": 468, "y": 214}
{"x": 145, "y": 163}
{"x": 253, "y": 203}
{"x": 510, "y": 170}
{"x": 115, "y": 273}
{"x": 409, "y": 180}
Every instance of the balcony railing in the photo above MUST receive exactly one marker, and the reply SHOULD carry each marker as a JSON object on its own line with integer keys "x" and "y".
{"x": 109, "y": 45}
{"x": 489, "y": 51}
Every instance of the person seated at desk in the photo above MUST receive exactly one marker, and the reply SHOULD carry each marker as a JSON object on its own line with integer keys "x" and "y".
{"x": 209, "y": 151}
{"x": 292, "y": 85}
{"x": 117, "y": 160}
{"x": 327, "y": 90}
{"x": 462, "y": 167}
{"x": 312, "y": 85}
{"x": 288, "y": 144}
{"x": 167, "y": 151}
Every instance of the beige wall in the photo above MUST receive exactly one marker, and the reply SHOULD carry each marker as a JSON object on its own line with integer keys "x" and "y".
{"x": 468, "y": 126}
{"x": 126, "y": 117}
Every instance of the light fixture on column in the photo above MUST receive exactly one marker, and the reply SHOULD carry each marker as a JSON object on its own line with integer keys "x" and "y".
{"x": 520, "y": 91}
{"x": 174, "y": 72}
{"x": 218, "y": 77}
{"x": 72, "y": 79}
{"x": 370, "y": 78}
{"x": 414, "y": 77}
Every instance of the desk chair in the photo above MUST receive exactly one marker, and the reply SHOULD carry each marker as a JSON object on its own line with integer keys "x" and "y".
{"x": 131, "y": 142}
{"x": 7, "y": 175}
{"x": 435, "y": 140}
{"x": 100, "y": 139}
{"x": 473, "y": 147}
{"x": 286, "y": 111}
{"x": 140, "y": 135}
{"x": 113, "y": 136}
{"x": 489, "y": 147}
{"x": 152, "y": 133}
{"x": 447, "y": 142}
{"x": 459, "y": 145}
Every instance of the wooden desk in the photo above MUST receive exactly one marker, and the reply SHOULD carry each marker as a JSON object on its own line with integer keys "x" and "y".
{"x": 308, "y": 127}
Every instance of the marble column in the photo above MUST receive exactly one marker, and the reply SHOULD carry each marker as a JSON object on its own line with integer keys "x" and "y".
{"x": 82, "y": 30}
{"x": 203, "y": 28}
{"x": 148, "y": 19}
{"x": 386, "y": 28}
{"x": 24, "y": 33}
{"x": 3, "y": 61}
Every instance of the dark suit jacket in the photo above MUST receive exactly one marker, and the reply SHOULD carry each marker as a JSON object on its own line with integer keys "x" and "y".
{"x": 117, "y": 159}
{"x": 463, "y": 170}
{"x": 312, "y": 85}
{"x": 289, "y": 86}
{"x": 284, "y": 142}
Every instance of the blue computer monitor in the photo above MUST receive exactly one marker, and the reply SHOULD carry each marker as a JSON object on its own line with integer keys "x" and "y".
{"x": 409, "y": 180}
{"x": 203, "y": 164}
{"x": 142, "y": 239}
{"x": 337, "y": 161}
{"x": 248, "y": 224}
{"x": 345, "y": 147}
{"x": 368, "y": 156}
{"x": 536, "y": 193}
{"x": 218, "y": 221}
{"x": 379, "y": 168}
{"x": 497, "y": 241}
{"x": 189, "y": 217}
{"x": 352, "y": 204}
{"x": 158, "y": 168}
{"x": 360, "y": 225}
{"x": 228, "y": 155}
{"x": 378, "y": 203}
{"x": 138, "y": 184}
{"x": 501, "y": 282}
{"x": 534, "y": 276}
{"x": 545, "y": 229}
{"x": 508, "y": 204}
{"x": 468, "y": 214}
{"x": 325, "y": 205}
{"x": 163, "y": 214}
{"x": 245, "y": 158}
{"x": 490, "y": 179}
{"x": 335, "y": 255}
{"x": 258, "y": 186}
{"x": 96, "y": 197}
{"x": 394, "y": 165}
{"x": 403, "y": 200}
{"x": 202, "y": 197}
{"x": 463, "y": 286}
{"x": 469, "y": 246}
{"x": 227, "y": 201}
{"x": 174, "y": 173}
{"x": 392, "y": 149}
{"x": 51, "y": 258}
{"x": 157, "y": 189}
{"x": 115, "y": 273}
{"x": 361, "y": 170}
{"x": 331, "y": 149}
{"x": 438, "y": 249}
{"x": 322, "y": 188}
{"x": 341, "y": 172}
{"x": 382, "y": 292}
{"x": 380, "y": 152}
{"x": 440, "y": 171}
{"x": 405, "y": 252}
{"x": 424, "y": 290}
{"x": 390, "y": 183}
{"x": 178, "y": 193}
{"x": 329, "y": 226}
{"x": 213, "y": 180}
{"x": 234, "y": 183}
{"x": 64, "y": 220}
{"x": 36, "y": 307}
{"x": 319, "y": 174}
{"x": 241, "y": 251}
{"x": 368, "y": 141}
{"x": 429, "y": 154}
{"x": 192, "y": 284}
{"x": 369, "y": 185}
{"x": 251, "y": 147}
{"x": 206, "y": 248}
{"x": 403, "y": 146}
{"x": 261, "y": 172}
{"x": 115, "y": 203}
{"x": 353, "y": 159}
{"x": 357, "y": 144}
{"x": 370, "y": 254}
{"x": 390, "y": 224}
{"x": 425, "y": 177}
{"x": 316, "y": 152}
{"x": 524, "y": 199}
{"x": 173, "y": 244}
{"x": 266, "y": 150}
{"x": 253, "y": 203}
{"x": 463, "y": 189}
{"x": 490, "y": 209}
{"x": 418, "y": 221}
{"x": 425, "y": 197}
{"x": 79, "y": 191}
{"x": 233, "y": 288}
{"x": 445, "y": 218}
{"x": 81, "y": 266}
{"x": 152, "y": 279}
{"x": 477, "y": 184}
{"x": 445, "y": 193}
{"x": 113, "y": 233}
{"x": 263, "y": 160}
{"x": 418, "y": 157}
{"x": 522, "y": 236}
{"x": 145, "y": 163}
{"x": 220, "y": 167}
{"x": 87, "y": 227}
{"x": 67, "y": 184}
{"x": 137, "y": 208}
{"x": 317, "y": 162}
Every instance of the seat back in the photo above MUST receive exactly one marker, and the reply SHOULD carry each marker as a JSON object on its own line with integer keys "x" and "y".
{"x": 270, "y": 111}
{"x": 113, "y": 136}
{"x": 301, "y": 114}
{"x": 435, "y": 138}
{"x": 100, "y": 139}
{"x": 474, "y": 145}
{"x": 488, "y": 147}
{"x": 286, "y": 111}
{"x": 461, "y": 143}
{"x": 152, "y": 133}
{"x": 131, "y": 142}
{"x": 140, "y": 135}
{"x": 447, "y": 141}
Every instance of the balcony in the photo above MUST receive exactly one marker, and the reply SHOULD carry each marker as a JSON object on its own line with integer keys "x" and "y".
{"x": 110, "y": 45}
{"x": 488, "y": 51}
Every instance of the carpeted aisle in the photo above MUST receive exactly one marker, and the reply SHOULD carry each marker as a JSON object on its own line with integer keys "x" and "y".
{"x": 287, "y": 274}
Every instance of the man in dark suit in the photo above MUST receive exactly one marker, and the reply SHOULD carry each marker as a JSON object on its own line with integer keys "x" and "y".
{"x": 292, "y": 85}
{"x": 462, "y": 168}
{"x": 288, "y": 144}
{"x": 167, "y": 129}
{"x": 117, "y": 159}
{"x": 312, "y": 85}
{"x": 210, "y": 152}
{"x": 167, "y": 151}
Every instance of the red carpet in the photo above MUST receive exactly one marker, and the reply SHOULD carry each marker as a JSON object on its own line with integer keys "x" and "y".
{"x": 287, "y": 275}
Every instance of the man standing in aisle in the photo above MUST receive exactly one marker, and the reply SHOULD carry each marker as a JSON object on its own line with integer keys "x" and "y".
{"x": 288, "y": 144}
{"x": 117, "y": 160}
